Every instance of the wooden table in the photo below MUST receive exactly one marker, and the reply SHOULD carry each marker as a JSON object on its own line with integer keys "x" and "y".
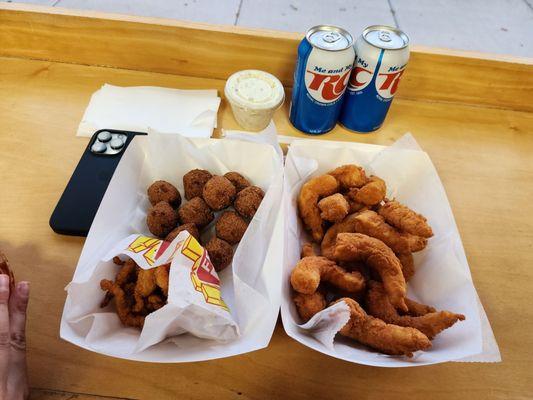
{"x": 472, "y": 113}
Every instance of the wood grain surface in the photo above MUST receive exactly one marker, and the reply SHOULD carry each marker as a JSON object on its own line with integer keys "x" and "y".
{"x": 484, "y": 158}
{"x": 200, "y": 50}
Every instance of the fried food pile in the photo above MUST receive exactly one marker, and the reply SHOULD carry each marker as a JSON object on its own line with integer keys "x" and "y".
{"x": 206, "y": 194}
{"x": 362, "y": 255}
{"x": 137, "y": 292}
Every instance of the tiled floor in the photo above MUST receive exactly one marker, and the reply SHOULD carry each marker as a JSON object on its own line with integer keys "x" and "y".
{"x": 494, "y": 26}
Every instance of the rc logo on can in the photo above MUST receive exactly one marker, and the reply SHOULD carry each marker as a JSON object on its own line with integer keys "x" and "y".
{"x": 362, "y": 74}
{"x": 387, "y": 82}
{"x": 326, "y": 83}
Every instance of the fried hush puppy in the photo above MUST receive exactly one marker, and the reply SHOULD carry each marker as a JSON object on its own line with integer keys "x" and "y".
{"x": 333, "y": 208}
{"x": 313, "y": 190}
{"x": 191, "y": 228}
{"x": 161, "y": 219}
{"x": 239, "y": 181}
{"x": 405, "y": 219}
{"x": 386, "y": 338}
{"x": 194, "y": 181}
{"x": 349, "y": 176}
{"x": 308, "y": 305}
{"x": 430, "y": 324}
{"x": 248, "y": 201}
{"x": 219, "y": 193}
{"x": 164, "y": 191}
{"x": 310, "y": 271}
{"x": 220, "y": 253}
{"x": 231, "y": 227}
{"x": 197, "y": 212}
{"x": 378, "y": 256}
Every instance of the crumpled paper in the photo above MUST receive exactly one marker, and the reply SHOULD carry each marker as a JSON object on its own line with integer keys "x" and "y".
{"x": 250, "y": 286}
{"x": 194, "y": 304}
{"x": 191, "y": 113}
{"x": 442, "y": 276}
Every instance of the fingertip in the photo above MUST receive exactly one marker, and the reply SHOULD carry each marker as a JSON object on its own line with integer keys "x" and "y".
{"x": 23, "y": 289}
{"x": 4, "y": 288}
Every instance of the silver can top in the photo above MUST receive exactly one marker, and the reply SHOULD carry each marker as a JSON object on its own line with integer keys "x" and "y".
{"x": 385, "y": 37}
{"x": 329, "y": 37}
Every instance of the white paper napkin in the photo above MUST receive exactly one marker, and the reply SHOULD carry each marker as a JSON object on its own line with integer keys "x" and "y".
{"x": 191, "y": 113}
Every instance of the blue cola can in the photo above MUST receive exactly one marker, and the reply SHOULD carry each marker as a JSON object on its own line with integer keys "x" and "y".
{"x": 381, "y": 55}
{"x": 325, "y": 60}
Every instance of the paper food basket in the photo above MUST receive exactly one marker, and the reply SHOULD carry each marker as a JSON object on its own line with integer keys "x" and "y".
{"x": 250, "y": 286}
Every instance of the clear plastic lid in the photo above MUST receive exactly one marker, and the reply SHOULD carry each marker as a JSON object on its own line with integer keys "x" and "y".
{"x": 254, "y": 89}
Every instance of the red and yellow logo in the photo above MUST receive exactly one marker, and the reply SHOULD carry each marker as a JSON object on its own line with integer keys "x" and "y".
{"x": 203, "y": 275}
{"x": 149, "y": 247}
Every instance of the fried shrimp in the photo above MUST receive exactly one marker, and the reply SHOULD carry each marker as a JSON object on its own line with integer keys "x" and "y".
{"x": 408, "y": 265}
{"x": 372, "y": 192}
{"x": 378, "y": 256}
{"x": 124, "y": 311}
{"x": 334, "y": 208}
{"x": 416, "y": 243}
{"x": 416, "y": 309}
{"x": 386, "y": 338}
{"x": 309, "y": 304}
{"x": 310, "y": 271}
{"x": 349, "y": 176}
{"x": 311, "y": 192}
{"x": 405, "y": 219}
{"x": 346, "y": 225}
{"x": 308, "y": 250}
{"x": 430, "y": 324}
{"x": 372, "y": 224}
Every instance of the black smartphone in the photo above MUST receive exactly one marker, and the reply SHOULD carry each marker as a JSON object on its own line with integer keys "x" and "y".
{"x": 75, "y": 210}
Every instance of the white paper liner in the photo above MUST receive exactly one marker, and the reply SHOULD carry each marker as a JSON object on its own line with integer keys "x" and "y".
{"x": 250, "y": 286}
{"x": 443, "y": 277}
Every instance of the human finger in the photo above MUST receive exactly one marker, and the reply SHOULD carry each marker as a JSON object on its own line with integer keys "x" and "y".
{"x": 17, "y": 316}
{"x": 4, "y": 329}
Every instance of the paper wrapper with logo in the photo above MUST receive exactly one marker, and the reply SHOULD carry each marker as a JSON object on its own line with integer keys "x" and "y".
{"x": 249, "y": 287}
{"x": 194, "y": 304}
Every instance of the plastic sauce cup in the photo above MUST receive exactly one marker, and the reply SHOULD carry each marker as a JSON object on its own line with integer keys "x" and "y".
{"x": 254, "y": 96}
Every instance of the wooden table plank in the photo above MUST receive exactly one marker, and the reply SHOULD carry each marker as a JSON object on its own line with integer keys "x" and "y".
{"x": 483, "y": 157}
{"x": 45, "y": 394}
{"x": 202, "y": 50}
